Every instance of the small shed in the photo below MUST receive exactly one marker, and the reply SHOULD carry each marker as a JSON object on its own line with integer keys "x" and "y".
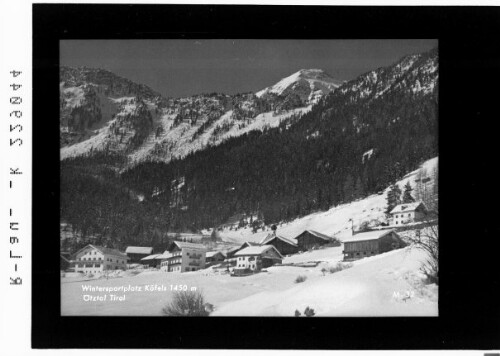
{"x": 284, "y": 245}
{"x": 371, "y": 243}
{"x": 310, "y": 239}
{"x": 136, "y": 253}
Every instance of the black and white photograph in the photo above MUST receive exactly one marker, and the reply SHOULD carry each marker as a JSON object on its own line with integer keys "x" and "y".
{"x": 249, "y": 177}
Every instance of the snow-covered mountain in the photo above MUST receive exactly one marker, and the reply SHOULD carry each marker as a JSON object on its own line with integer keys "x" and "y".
{"x": 307, "y": 85}
{"x": 416, "y": 73}
{"x": 101, "y": 111}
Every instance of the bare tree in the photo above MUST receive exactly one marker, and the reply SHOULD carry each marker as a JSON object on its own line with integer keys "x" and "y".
{"x": 427, "y": 240}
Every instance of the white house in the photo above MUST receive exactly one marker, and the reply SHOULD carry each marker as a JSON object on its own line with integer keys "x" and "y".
{"x": 255, "y": 258}
{"x": 183, "y": 257}
{"x": 407, "y": 213}
{"x": 96, "y": 259}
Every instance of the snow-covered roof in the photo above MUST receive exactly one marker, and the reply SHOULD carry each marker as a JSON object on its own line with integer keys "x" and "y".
{"x": 104, "y": 250}
{"x": 249, "y": 243}
{"x": 213, "y": 253}
{"x": 139, "y": 249}
{"x": 151, "y": 257}
{"x": 271, "y": 237}
{"x": 256, "y": 250}
{"x": 406, "y": 207}
{"x": 182, "y": 244}
{"x": 164, "y": 255}
{"x": 370, "y": 235}
{"x": 317, "y": 234}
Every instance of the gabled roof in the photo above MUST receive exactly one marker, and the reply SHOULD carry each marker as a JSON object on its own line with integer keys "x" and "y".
{"x": 139, "y": 249}
{"x": 370, "y": 235}
{"x": 104, "y": 250}
{"x": 271, "y": 237}
{"x": 257, "y": 250}
{"x": 403, "y": 208}
{"x": 213, "y": 253}
{"x": 182, "y": 244}
{"x": 317, "y": 234}
{"x": 150, "y": 257}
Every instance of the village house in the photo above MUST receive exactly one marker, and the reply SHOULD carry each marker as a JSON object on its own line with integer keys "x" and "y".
{"x": 310, "y": 239}
{"x": 152, "y": 260}
{"x": 371, "y": 243}
{"x": 408, "y": 213}
{"x": 94, "y": 259}
{"x": 136, "y": 253}
{"x": 283, "y": 245}
{"x": 254, "y": 258}
{"x": 214, "y": 257}
{"x": 183, "y": 257}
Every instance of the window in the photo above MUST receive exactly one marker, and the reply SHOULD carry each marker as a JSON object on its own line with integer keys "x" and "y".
{"x": 396, "y": 222}
{"x": 409, "y": 214}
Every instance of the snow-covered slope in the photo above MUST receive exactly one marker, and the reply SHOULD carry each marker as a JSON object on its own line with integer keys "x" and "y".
{"x": 101, "y": 111}
{"x": 336, "y": 221}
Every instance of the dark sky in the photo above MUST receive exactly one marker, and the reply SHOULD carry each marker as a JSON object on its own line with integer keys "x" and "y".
{"x": 185, "y": 67}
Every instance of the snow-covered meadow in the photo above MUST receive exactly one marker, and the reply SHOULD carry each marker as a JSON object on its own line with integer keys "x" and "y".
{"x": 389, "y": 284}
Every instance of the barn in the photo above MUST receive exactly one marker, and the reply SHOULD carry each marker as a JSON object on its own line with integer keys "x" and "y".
{"x": 310, "y": 239}
{"x": 371, "y": 243}
{"x": 136, "y": 253}
{"x": 214, "y": 257}
{"x": 282, "y": 244}
{"x": 152, "y": 260}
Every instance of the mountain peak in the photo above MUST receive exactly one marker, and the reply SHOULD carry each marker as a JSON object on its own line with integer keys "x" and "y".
{"x": 312, "y": 80}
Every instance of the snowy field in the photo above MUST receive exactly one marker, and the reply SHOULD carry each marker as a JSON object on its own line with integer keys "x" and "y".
{"x": 389, "y": 284}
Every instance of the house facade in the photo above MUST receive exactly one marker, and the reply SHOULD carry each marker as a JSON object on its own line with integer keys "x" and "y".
{"x": 282, "y": 244}
{"x": 183, "y": 257}
{"x": 310, "y": 239}
{"x": 94, "y": 259}
{"x": 408, "y": 213}
{"x": 137, "y": 253}
{"x": 371, "y": 243}
{"x": 254, "y": 258}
